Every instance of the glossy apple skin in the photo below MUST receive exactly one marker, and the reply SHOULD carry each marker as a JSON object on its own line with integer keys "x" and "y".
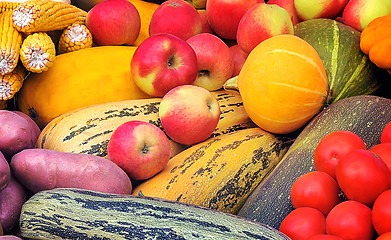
{"x": 238, "y": 57}
{"x": 289, "y": 6}
{"x": 162, "y": 62}
{"x": 224, "y": 15}
{"x": 189, "y": 114}
{"x": 205, "y": 24}
{"x": 261, "y": 22}
{"x": 319, "y": 8}
{"x": 214, "y": 60}
{"x": 114, "y": 22}
{"x": 359, "y": 13}
{"x": 176, "y": 17}
{"x": 140, "y": 148}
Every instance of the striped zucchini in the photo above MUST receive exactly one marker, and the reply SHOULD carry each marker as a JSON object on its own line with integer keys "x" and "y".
{"x": 88, "y": 130}
{"x": 219, "y": 173}
{"x": 364, "y": 115}
{"x": 66, "y": 213}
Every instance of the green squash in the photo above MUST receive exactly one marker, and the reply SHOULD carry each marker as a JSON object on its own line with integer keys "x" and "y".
{"x": 349, "y": 71}
{"x": 364, "y": 115}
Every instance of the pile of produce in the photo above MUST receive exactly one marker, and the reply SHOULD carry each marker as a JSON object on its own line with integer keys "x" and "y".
{"x": 195, "y": 119}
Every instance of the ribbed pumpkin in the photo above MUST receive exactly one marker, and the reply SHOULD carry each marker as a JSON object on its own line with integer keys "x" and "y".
{"x": 78, "y": 79}
{"x": 283, "y": 84}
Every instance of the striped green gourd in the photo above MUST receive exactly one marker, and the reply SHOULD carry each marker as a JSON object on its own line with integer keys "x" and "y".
{"x": 66, "y": 213}
{"x": 349, "y": 71}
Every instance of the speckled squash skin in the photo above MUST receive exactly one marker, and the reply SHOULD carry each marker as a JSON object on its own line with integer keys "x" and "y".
{"x": 364, "y": 115}
{"x": 65, "y": 213}
{"x": 219, "y": 173}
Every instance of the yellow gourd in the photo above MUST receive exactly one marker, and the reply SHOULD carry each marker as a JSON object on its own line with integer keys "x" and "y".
{"x": 283, "y": 84}
{"x": 78, "y": 79}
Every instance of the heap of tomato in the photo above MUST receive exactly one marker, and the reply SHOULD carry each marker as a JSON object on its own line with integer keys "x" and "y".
{"x": 348, "y": 196}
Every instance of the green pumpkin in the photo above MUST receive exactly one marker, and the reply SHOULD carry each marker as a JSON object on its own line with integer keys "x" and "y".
{"x": 349, "y": 71}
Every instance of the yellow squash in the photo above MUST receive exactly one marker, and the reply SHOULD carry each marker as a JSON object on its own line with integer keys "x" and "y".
{"x": 219, "y": 173}
{"x": 77, "y": 79}
{"x": 88, "y": 129}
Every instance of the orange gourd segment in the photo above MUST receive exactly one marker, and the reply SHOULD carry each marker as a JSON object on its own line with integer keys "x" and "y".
{"x": 283, "y": 84}
{"x": 378, "y": 30}
{"x": 380, "y": 53}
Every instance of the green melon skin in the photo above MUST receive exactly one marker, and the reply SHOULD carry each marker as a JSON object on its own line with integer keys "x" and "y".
{"x": 365, "y": 115}
{"x": 349, "y": 71}
{"x": 70, "y": 213}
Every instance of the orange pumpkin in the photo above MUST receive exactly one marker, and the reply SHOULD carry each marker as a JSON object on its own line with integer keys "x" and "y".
{"x": 283, "y": 84}
{"x": 375, "y": 41}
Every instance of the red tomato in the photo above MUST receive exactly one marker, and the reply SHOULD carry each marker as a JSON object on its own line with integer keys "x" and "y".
{"x": 350, "y": 220}
{"x": 383, "y": 151}
{"x": 325, "y": 237}
{"x": 362, "y": 176}
{"x": 386, "y": 134}
{"x": 303, "y": 223}
{"x": 317, "y": 190}
{"x": 385, "y": 236}
{"x": 381, "y": 213}
{"x": 332, "y": 147}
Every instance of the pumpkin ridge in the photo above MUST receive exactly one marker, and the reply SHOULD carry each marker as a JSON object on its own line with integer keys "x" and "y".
{"x": 272, "y": 100}
{"x": 356, "y": 72}
{"x": 307, "y": 59}
{"x": 287, "y": 121}
{"x": 334, "y": 55}
{"x": 300, "y": 88}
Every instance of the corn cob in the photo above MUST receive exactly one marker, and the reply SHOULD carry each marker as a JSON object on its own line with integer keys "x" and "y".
{"x": 37, "y": 52}
{"x": 11, "y": 83}
{"x": 75, "y": 37}
{"x": 8, "y": 6}
{"x": 10, "y": 43}
{"x": 46, "y": 15}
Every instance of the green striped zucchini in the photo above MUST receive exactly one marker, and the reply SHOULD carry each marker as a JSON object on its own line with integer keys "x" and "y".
{"x": 65, "y": 213}
{"x": 219, "y": 173}
{"x": 364, "y": 115}
{"x": 88, "y": 130}
{"x": 349, "y": 71}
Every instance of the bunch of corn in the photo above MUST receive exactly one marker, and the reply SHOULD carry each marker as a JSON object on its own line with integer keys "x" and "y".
{"x": 25, "y": 43}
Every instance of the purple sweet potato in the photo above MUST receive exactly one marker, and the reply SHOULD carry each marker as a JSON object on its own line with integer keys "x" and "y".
{"x": 4, "y": 172}
{"x": 17, "y": 132}
{"x": 11, "y": 200}
{"x": 44, "y": 169}
{"x": 10, "y": 237}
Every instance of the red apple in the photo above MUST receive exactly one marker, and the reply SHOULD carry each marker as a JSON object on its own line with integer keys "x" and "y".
{"x": 189, "y": 114}
{"x": 214, "y": 60}
{"x": 306, "y": 10}
{"x": 224, "y": 15}
{"x": 289, "y": 6}
{"x": 114, "y": 22}
{"x": 176, "y": 17}
{"x": 359, "y": 13}
{"x": 140, "y": 148}
{"x": 162, "y": 62}
{"x": 262, "y": 22}
{"x": 238, "y": 57}
{"x": 205, "y": 24}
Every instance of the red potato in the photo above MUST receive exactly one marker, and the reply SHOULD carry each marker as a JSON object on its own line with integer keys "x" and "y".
{"x": 17, "y": 132}
{"x": 44, "y": 169}
{"x": 11, "y": 200}
{"x": 4, "y": 172}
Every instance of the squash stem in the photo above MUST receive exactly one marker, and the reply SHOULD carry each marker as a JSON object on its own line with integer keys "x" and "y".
{"x": 231, "y": 84}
